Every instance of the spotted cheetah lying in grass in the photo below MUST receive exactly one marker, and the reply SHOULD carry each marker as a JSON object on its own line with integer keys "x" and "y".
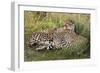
{"x": 54, "y": 38}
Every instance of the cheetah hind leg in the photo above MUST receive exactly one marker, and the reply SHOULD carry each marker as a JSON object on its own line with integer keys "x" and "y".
{"x": 48, "y": 46}
{"x": 44, "y": 47}
{"x": 40, "y": 48}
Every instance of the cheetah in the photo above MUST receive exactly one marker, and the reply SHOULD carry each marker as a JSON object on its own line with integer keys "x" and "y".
{"x": 54, "y": 38}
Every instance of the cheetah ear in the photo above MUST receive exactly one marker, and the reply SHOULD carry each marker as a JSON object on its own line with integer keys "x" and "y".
{"x": 72, "y": 21}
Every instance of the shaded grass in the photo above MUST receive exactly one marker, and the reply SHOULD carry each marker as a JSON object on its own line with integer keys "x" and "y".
{"x": 35, "y": 22}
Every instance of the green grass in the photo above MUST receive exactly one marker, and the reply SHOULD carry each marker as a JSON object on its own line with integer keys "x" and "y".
{"x": 79, "y": 50}
{"x": 37, "y": 21}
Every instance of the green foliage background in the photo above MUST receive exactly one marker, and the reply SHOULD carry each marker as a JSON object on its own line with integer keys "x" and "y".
{"x": 37, "y": 21}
